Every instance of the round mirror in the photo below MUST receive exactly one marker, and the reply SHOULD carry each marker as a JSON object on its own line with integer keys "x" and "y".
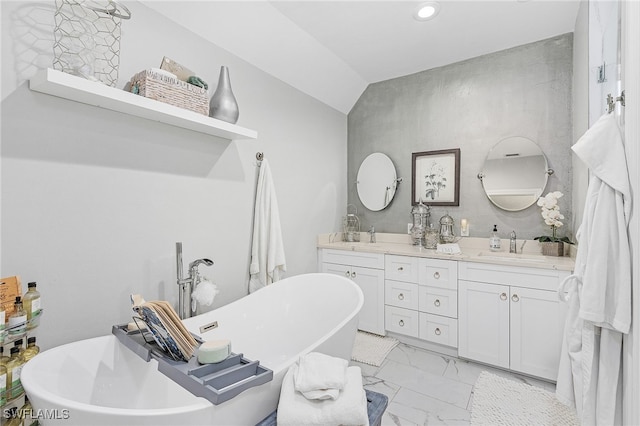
{"x": 515, "y": 173}
{"x": 376, "y": 181}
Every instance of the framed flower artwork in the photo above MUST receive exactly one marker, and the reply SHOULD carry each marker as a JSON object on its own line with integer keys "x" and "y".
{"x": 435, "y": 177}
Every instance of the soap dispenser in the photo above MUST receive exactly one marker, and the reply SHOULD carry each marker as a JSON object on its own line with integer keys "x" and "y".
{"x": 494, "y": 239}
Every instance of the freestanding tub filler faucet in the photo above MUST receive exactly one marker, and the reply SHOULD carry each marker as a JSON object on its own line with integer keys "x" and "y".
{"x": 188, "y": 284}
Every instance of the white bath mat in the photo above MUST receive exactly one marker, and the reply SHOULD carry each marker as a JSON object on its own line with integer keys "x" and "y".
{"x": 499, "y": 401}
{"x": 372, "y": 349}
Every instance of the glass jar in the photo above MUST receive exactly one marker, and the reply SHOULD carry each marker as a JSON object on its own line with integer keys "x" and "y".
{"x": 351, "y": 226}
{"x": 420, "y": 214}
{"x": 446, "y": 229}
{"x": 432, "y": 237}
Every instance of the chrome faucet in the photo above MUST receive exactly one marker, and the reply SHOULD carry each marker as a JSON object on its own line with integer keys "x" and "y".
{"x": 188, "y": 284}
{"x": 512, "y": 242}
{"x": 372, "y": 234}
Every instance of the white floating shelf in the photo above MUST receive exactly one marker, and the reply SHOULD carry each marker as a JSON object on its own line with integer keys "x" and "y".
{"x": 58, "y": 83}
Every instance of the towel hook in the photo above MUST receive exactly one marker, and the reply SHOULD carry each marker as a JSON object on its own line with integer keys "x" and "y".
{"x": 611, "y": 102}
{"x": 259, "y": 157}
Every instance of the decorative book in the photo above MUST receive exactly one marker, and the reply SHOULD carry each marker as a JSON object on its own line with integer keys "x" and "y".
{"x": 165, "y": 327}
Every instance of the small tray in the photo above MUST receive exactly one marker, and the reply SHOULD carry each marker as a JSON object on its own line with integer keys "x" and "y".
{"x": 215, "y": 382}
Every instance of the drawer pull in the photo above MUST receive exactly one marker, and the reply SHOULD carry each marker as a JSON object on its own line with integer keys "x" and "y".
{"x": 503, "y": 296}
{"x": 401, "y": 323}
{"x": 436, "y": 275}
{"x": 401, "y": 296}
{"x": 515, "y": 298}
{"x": 347, "y": 274}
{"x": 353, "y": 275}
{"x": 437, "y": 331}
{"x": 437, "y": 302}
{"x": 400, "y": 268}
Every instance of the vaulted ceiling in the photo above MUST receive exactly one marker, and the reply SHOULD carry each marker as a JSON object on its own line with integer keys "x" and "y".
{"x": 332, "y": 50}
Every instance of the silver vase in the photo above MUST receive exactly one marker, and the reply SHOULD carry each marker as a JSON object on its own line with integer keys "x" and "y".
{"x": 223, "y": 105}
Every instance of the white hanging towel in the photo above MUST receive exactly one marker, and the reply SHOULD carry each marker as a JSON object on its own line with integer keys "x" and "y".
{"x": 267, "y": 251}
{"x": 599, "y": 290}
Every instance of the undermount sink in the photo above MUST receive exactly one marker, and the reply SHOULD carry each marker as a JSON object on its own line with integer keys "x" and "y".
{"x": 513, "y": 257}
{"x": 359, "y": 244}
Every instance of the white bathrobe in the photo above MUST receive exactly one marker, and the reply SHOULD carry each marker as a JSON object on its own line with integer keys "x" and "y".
{"x": 267, "y": 249}
{"x": 599, "y": 291}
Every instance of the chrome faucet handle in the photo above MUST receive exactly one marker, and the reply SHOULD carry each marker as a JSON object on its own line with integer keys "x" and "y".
{"x": 196, "y": 263}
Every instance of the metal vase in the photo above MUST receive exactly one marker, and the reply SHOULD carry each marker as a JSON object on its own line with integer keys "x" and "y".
{"x": 223, "y": 104}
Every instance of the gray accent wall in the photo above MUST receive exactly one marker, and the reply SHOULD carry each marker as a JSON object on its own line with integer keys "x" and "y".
{"x": 472, "y": 105}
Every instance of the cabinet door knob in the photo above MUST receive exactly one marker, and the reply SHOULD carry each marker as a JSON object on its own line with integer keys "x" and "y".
{"x": 401, "y": 323}
{"x": 503, "y": 296}
{"x": 400, "y": 268}
{"x": 515, "y": 298}
{"x": 437, "y": 331}
{"x": 437, "y": 302}
{"x": 347, "y": 274}
{"x": 401, "y": 296}
{"x": 436, "y": 275}
{"x": 353, "y": 275}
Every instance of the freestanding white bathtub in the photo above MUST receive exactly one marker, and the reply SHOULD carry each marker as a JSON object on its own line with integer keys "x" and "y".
{"x": 101, "y": 382}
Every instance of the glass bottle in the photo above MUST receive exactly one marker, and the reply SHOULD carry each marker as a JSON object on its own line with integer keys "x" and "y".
{"x": 18, "y": 320}
{"x": 20, "y": 345}
{"x": 494, "y": 239}
{"x": 26, "y": 413}
{"x": 3, "y": 385}
{"x": 14, "y": 368}
{"x": 31, "y": 302}
{"x": 3, "y": 358}
{"x": 3, "y": 320}
{"x": 14, "y": 418}
{"x": 32, "y": 349}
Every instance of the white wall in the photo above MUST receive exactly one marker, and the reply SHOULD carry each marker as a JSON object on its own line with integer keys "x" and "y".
{"x": 93, "y": 201}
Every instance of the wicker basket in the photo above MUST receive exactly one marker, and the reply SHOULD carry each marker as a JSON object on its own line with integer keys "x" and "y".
{"x": 553, "y": 248}
{"x": 170, "y": 90}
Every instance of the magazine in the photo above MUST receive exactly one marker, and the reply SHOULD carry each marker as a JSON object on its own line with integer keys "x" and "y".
{"x": 166, "y": 327}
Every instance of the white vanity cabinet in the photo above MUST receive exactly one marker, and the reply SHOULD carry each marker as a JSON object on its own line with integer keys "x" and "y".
{"x": 511, "y": 317}
{"x": 421, "y": 298}
{"x": 367, "y": 271}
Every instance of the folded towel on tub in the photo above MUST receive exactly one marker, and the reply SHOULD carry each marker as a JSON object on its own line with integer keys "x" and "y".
{"x": 317, "y": 371}
{"x": 322, "y": 394}
{"x": 350, "y": 408}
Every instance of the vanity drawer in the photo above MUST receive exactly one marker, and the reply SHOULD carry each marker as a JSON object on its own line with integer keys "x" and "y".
{"x": 537, "y": 278}
{"x": 353, "y": 258}
{"x": 401, "y": 268}
{"x": 401, "y": 321}
{"x": 400, "y": 294}
{"x": 437, "y": 329}
{"x": 439, "y": 301}
{"x": 438, "y": 273}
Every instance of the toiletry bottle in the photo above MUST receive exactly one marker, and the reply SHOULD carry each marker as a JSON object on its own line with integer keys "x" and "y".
{"x": 3, "y": 358}
{"x": 26, "y": 413}
{"x": 494, "y": 240}
{"x": 32, "y": 349}
{"x": 12, "y": 415}
{"x": 31, "y": 302}
{"x": 14, "y": 368}
{"x": 3, "y": 385}
{"x": 3, "y": 320}
{"x": 20, "y": 345}
{"x": 18, "y": 320}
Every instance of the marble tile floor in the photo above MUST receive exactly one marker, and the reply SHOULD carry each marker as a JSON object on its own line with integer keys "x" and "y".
{"x": 427, "y": 388}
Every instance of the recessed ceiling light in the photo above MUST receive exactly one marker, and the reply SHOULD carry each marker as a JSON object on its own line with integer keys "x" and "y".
{"x": 427, "y": 10}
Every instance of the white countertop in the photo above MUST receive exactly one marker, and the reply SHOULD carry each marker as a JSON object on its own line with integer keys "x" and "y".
{"x": 473, "y": 250}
